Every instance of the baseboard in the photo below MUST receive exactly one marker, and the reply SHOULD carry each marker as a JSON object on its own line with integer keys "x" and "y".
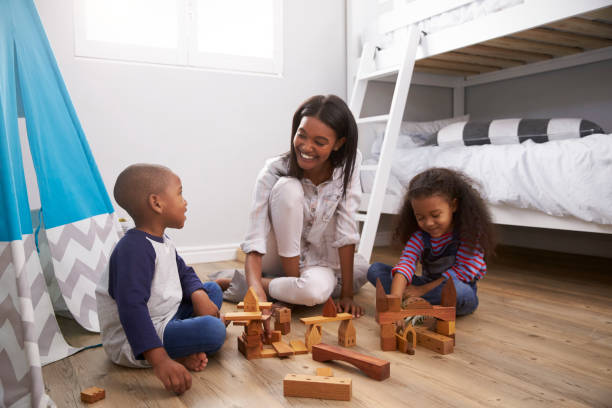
{"x": 208, "y": 253}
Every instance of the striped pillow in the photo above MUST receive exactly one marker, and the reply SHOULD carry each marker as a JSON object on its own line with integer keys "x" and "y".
{"x": 511, "y": 131}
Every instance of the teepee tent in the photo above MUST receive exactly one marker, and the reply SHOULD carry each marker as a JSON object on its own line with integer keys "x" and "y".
{"x": 77, "y": 214}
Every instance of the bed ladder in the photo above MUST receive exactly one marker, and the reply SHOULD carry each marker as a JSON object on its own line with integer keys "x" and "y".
{"x": 365, "y": 73}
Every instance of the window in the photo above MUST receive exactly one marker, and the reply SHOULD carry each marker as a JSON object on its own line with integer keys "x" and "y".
{"x": 238, "y": 35}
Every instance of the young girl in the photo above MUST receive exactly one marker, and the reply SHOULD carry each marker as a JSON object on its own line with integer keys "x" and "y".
{"x": 300, "y": 243}
{"x": 447, "y": 227}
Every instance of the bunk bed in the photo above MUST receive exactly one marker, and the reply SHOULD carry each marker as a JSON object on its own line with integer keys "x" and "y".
{"x": 462, "y": 43}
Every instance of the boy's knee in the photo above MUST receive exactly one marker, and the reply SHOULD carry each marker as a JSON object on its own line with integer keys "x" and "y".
{"x": 287, "y": 191}
{"x": 214, "y": 292}
{"x": 215, "y": 333}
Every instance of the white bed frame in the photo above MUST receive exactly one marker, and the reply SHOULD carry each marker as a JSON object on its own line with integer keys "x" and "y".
{"x": 396, "y": 63}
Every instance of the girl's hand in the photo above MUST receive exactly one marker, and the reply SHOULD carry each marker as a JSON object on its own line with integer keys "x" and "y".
{"x": 348, "y": 305}
{"x": 419, "y": 291}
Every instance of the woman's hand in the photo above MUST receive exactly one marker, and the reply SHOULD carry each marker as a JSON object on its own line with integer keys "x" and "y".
{"x": 348, "y": 305}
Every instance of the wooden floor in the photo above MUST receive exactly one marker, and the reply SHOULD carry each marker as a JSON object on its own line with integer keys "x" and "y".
{"x": 542, "y": 336}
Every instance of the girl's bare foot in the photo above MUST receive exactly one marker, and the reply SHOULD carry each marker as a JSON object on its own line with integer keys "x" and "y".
{"x": 224, "y": 283}
{"x": 194, "y": 362}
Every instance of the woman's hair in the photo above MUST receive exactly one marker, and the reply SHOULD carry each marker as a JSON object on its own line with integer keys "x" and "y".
{"x": 333, "y": 112}
{"x": 471, "y": 220}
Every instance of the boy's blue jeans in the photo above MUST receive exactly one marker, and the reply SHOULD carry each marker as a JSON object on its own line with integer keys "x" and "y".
{"x": 185, "y": 334}
{"x": 467, "y": 298}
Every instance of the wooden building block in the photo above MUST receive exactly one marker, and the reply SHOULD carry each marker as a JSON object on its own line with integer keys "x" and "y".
{"x": 394, "y": 303}
{"x": 298, "y": 347}
{"x": 347, "y": 336}
{"x": 373, "y": 367}
{"x": 92, "y": 394}
{"x": 262, "y": 305}
{"x": 283, "y": 315}
{"x": 434, "y": 341}
{"x": 276, "y": 335}
{"x": 311, "y": 386}
{"x": 387, "y": 330}
{"x": 388, "y": 343}
{"x": 249, "y": 353}
{"x": 406, "y": 340}
{"x": 284, "y": 328}
{"x": 240, "y": 322}
{"x": 254, "y": 327}
{"x": 231, "y": 316}
{"x": 404, "y": 346}
{"x": 282, "y": 348}
{"x": 313, "y": 336}
{"x": 323, "y": 319}
{"x": 250, "y": 302}
{"x": 446, "y": 328}
{"x": 449, "y": 294}
{"x": 324, "y": 372}
{"x": 381, "y": 298}
{"x": 251, "y": 340}
{"x": 329, "y": 310}
{"x": 440, "y": 312}
{"x": 268, "y": 352}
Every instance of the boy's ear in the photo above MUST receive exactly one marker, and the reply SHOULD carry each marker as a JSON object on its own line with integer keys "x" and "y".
{"x": 155, "y": 203}
{"x": 339, "y": 144}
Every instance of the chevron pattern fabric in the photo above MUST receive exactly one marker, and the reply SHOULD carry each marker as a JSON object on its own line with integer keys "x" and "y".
{"x": 21, "y": 382}
{"x": 80, "y": 251}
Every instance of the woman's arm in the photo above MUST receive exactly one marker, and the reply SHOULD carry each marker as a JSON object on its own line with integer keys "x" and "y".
{"x": 252, "y": 270}
{"x": 346, "y": 302}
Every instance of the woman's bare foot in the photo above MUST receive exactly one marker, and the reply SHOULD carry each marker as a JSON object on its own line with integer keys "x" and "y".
{"x": 224, "y": 283}
{"x": 194, "y": 362}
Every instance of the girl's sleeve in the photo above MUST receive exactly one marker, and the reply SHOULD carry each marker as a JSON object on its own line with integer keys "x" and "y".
{"x": 347, "y": 232}
{"x": 259, "y": 221}
{"x": 469, "y": 263}
{"x": 410, "y": 256}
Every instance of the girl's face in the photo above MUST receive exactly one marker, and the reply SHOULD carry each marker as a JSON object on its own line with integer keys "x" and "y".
{"x": 313, "y": 142}
{"x": 434, "y": 214}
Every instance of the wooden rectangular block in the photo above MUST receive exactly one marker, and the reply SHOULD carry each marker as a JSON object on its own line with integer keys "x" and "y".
{"x": 284, "y": 328}
{"x": 283, "y": 315}
{"x": 311, "y": 386}
{"x": 251, "y": 341}
{"x": 387, "y": 330}
{"x": 92, "y": 394}
{"x": 440, "y": 312}
{"x": 243, "y": 316}
{"x": 434, "y": 341}
{"x": 249, "y": 353}
{"x": 282, "y": 348}
{"x": 388, "y": 343}
{"x": 323, "y": 319}
{"x": 262, "y": 305}
{"x": 268, "y": 352}
{"x": 254, "y": 327}
{"x": 276, "y": 335}
{"x": 298, "y": 347}
{"x": 445, "y": 328}
{"x": 394, "y": 303}
{"x": 324, "y": 372}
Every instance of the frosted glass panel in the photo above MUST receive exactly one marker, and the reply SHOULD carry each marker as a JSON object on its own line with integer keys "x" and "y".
{"x": 236, "y": 27}
{"x": 148, "y": 23}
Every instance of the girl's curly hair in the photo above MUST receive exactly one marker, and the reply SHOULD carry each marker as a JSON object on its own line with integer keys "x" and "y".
{"x": 471, "y": 220}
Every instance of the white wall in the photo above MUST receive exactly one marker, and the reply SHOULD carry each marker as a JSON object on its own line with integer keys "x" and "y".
{"x": 214, "y": 129}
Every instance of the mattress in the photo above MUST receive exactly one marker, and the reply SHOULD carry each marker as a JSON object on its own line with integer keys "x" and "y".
{"x": 560, "y": 178}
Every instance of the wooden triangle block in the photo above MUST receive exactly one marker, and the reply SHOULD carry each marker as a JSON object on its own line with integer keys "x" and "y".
{"x": 449, "y": 294}
{"x": 329, "y": 310}
{"x": 250, "y": 301}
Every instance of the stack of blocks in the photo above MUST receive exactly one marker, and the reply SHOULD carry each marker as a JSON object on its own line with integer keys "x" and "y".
{"x": 282, "y": 320}
{"x": 389, "y": 310}
{"x": 347, "y": 335}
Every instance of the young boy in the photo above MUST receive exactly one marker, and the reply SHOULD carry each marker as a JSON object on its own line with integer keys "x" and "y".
{"x": 153, "y": 309}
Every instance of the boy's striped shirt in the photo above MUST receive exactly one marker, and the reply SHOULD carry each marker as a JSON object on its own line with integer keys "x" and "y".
{"x": 469, "y": 261}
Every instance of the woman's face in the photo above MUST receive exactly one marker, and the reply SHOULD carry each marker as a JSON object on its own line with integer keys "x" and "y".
{"x": 313, "y": 142}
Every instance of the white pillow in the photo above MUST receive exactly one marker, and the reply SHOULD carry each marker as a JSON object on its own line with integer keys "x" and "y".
{"x": 413, "y": 134}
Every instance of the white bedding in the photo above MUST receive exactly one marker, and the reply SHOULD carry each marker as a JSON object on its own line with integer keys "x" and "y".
{"x": 565, "y": 177}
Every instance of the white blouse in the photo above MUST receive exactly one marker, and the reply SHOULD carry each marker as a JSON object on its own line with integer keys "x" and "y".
{"x": 329, "y": 218}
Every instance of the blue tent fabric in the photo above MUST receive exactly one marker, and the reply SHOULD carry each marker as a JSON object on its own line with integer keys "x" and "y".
{"x": 78, "y": 217}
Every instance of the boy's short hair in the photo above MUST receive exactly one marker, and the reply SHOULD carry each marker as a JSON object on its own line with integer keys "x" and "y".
{"x": 136, "y": 183}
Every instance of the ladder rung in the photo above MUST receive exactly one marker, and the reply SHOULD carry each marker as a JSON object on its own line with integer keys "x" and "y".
{"x": 373, "y": 119}
{"x": 381, "y": 73}
{"x": 361, "y": 217}
{"x": 369, "y": 167}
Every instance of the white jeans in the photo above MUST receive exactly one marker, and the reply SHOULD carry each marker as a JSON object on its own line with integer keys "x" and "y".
{"x": 316, "y": 283}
